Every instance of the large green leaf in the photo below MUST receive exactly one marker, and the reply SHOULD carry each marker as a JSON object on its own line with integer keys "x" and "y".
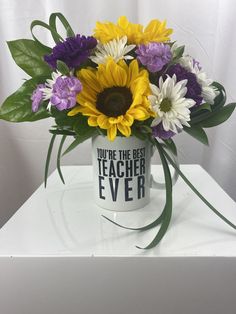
{"x": 198, "y": 133}
{"x": 219, "y": 116}
{"x": 18, "y": 106}
{"x": 28, "y": 55}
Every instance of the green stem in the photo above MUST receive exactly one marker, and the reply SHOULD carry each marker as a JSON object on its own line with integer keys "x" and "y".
{"x": 59, "y": 158}
{"x": 196, "y": 191}
{"x": 168, "y": 208}
{"x": 48, "y": 159}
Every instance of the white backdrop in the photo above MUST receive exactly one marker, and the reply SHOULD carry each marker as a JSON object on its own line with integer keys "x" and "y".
{"x": 207, "y": 27}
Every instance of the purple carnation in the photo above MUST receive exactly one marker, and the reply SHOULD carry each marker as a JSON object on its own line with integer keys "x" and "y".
{"x": 64, "y": 92}
{"x": 154, "y": 55}
{"x": 194, "y": 89}
{"x": 37, "y": 97}
{"x": 73, "y": 51}
{"x": 158, "y": 131}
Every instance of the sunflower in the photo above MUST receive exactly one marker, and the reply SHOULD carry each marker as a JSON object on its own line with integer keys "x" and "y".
{"x": 155, "y": 31}
{"x": 113, "y": 96}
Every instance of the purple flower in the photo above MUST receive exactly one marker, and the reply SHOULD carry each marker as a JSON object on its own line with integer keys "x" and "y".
{"x": 37, "y": 97}
{"x": 194, "y": 89}
{"x": 158, "y": 131}
{"x": 73, "y": 51}
{"x": 196, "y": 63}
{"x": 64, "y": 92}
{"x": 154, "y": 55}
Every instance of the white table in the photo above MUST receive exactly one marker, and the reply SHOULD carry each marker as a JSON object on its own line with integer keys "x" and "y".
{"x": 58, "y": 255}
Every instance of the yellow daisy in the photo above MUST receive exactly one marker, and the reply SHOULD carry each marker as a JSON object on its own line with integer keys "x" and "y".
{"x": 113, "y": 96}
{"x": 155, "y": 31}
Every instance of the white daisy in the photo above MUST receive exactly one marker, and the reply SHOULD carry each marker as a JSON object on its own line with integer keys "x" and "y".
{"x": 170, "y": 105}
{"x": 47, "y": 90}
{"x": 209, "y": 92}
{"x": 116, "y": 48}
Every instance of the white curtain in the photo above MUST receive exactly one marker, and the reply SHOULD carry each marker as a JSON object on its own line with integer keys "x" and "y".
{"x": 206, "y": 27}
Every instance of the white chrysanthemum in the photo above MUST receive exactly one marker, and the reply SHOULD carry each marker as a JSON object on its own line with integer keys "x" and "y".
{"x": 47, "y": 90}
{"x": 116, "y": 48}
{"x": 209, "y": 92}
{"x": 169, "y": 103}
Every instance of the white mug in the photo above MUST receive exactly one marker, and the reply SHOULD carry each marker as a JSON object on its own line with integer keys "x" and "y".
{"x": 121, "y": 169}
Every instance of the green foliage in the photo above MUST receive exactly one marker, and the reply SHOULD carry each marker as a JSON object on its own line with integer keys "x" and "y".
{"x": 170, "y": 145}
{"x": 65, "y": 23}
{"x": 167, "y": 211}
{"x": 205, "y": 201}
{"x": 80, "y": 138}
{"x": 18, "y": 106}
{"x": 218, "y": 116}
{"x": 59, "y": 158}
{"x": 63, "y": 68}
{"x": 48, "y": 159}
{"x": 207, "y": 116}
{"x": 178, "y": 53}
{"x": 198, "y": 133}
{"x": 28, "y": 55}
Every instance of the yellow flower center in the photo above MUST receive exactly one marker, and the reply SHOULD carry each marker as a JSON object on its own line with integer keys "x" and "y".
{"x": 165, "y": 105}
{"x": 114, "y": 101}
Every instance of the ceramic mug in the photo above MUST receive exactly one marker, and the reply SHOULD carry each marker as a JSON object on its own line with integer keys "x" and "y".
{"x": 121, "y": 169}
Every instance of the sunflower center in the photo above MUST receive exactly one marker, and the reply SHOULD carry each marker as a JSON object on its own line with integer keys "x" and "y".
{"x": 114, "y": 101}
{"x": 165, "y": 105}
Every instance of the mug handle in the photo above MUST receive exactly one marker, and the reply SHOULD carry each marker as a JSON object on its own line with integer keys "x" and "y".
{"x": 161, "y": 186}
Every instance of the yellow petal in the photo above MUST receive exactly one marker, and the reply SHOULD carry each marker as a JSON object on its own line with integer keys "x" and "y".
{"x": 133, "y": 72}
{"x": 128, "y": 120}
{"x": 114, "y": 120}
{"x": 125, "y": 130}
{"x": 123, "y": 22}
{"x": 88, "y": 78}
{"x": 103, "y": 122}
{"x": 139, "y": 113}
{"x": 119, "y": 75}
{"x": 76, "y": 110}
{"x": 92, "y": 121}
{"x": 111, "y": 132}
{"x": 87, "y": 110}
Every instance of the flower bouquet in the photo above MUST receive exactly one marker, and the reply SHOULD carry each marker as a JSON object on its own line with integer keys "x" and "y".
{"x": 124, "y": 81}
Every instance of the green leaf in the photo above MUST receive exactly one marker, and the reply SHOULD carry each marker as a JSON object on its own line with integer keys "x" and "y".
{"x": 28, "y": 55}
{"x": 220, "y": 100}
{"x": 178, "y": 53}
{"x": 199, "y": 109}
{"x": 219, "y": 116}
{"x": 169, "y": 143}
{"x": 196, "y": 191}
{"x": 18, "y": 106}
{"x": 153, "y": 224}
{"x": 63, "y": 68}
{"x": 168, "y": 208}
{"x": 81, "y": 126}
{"x": 63, "y": 20}
{"x": 62, "y": 132}
{"x": 57, "y": 38}
{"x": 48, "y": 159}
{"x": 80, "y": 138}
{"x": 198, "y": 133}
{"x": 59, "y": 158}
{"x": 63, "y": 120}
